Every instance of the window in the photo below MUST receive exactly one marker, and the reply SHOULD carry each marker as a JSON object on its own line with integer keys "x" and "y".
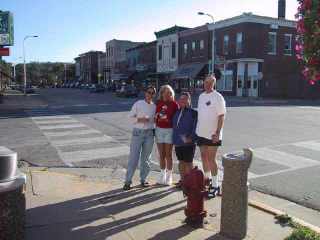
{"x": 288, "y": 44}
{"x": 272, "y": 43}
{"x": 160, "y": 52}
{"x": 193, "y": 45}
{"x": 239, "y": 43}
{"x": 225, "y": 44}
{"x": 225, "y": 83}
{"x": 185, "y": 48}
{"x": 173, "y": 49}
{"x": 201, "y": 44}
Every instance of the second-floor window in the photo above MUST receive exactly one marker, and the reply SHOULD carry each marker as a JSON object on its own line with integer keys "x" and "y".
{"x": 201, "y": 44}
{"x": 193, "y": 45}
{"x": 239, "y": 47}
{"x": 160, "y": 52}
{"x": 173, "y": 46}
{"x": 288, "y": 44}
{"x": 272, "y": 43}
{"x": 226, "y": 44}
{"x": 185, "y": 48}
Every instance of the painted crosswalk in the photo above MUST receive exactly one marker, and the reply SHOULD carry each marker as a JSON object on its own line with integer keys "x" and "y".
{"x": 76, "y": 142}
{"x": 65, "y": 132}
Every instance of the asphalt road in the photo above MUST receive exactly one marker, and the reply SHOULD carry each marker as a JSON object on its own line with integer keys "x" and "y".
{"x": 71, "y": 127}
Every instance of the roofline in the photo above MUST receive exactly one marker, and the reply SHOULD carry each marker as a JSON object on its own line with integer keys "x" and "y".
{"x": 146, "y": 44}
{"x": 251, "y": 18}
{"x": 175, "y": 29}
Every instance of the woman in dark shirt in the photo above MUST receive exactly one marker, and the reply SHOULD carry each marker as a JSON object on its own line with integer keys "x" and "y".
{"x": 184, "y": 126}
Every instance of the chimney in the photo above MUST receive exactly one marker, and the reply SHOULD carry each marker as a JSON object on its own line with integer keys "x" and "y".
{"x": 282, "y": 9}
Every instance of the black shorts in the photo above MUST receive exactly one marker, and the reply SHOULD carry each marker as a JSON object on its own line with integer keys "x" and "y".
{"x": 201, "y": 141}
{"x": 185, "y": 153}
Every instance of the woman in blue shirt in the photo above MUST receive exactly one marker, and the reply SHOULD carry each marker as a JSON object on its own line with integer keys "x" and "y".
{"x": 184, "y": 127}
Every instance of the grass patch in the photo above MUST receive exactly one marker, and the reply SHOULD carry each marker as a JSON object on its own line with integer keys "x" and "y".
{"x": 299, "y": 232}
{"x": 303, "y": 233}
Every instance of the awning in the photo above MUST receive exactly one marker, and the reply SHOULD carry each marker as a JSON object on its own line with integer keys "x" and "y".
{"x": 119, "y": 76}
{"x": 189, "y": 70}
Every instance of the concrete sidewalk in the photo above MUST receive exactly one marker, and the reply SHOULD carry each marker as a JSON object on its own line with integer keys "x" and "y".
{"x": 68, "y": 206}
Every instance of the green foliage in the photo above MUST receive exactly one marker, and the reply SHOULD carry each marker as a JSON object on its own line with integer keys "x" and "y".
{"x": 44, "y": 73}
{"x": 303, "y": 233}
{"x": 308, "y": 42}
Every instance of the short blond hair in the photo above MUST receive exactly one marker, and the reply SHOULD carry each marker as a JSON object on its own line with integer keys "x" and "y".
{"x": 163, "y": 89}
{"x": 212, "y": 78}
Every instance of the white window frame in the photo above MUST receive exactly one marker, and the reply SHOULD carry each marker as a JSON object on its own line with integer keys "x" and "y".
{"x": 226, "y": 39}
{"x": 239, "y": 44}
{"x": 223, "y": 80}
{"x": 288, "y": 52}
{"x": 275, "y": 43}
{"x": 201, "y": 44}
{"x": 185, "y": 48}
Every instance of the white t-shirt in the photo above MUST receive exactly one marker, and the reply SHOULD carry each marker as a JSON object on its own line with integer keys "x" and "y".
{"x": 143, "y": 109}
{"x": 210, "y": 107}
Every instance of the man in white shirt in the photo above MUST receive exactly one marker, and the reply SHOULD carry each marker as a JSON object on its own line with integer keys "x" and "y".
{"x": 211, "y": 114}
{"x": 142, "y": 140}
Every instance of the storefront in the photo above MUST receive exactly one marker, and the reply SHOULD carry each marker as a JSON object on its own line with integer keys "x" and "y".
{"x": 189, "y": 77}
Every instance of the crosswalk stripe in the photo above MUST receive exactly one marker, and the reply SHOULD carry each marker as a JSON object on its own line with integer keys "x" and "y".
{"x": 56, "y": 121}
{"x": 310, "y": 107}
{"x": 312, "y": 145}
{"x": 80, "y": 141}
{"x": 71, "y": 133}
{"x": 51, "y": 117}
{"x": 66, "y": 126}
{"x": 87, "y": 155}
{"x": 286, "y": 159}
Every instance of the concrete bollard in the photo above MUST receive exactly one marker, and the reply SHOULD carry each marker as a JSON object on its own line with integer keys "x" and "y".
{"x": 234, "y": 205}
{"x": 12, "y": 197}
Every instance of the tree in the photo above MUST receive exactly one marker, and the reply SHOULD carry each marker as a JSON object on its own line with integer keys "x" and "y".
{"x": 308, "y": 40}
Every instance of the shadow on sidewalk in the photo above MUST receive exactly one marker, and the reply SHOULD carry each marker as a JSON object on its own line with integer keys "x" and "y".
{"x": 101, "y": 215}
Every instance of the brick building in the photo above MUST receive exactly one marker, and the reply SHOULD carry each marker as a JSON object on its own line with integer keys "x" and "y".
{"x": 89, "y": 66}
{"x": 141, "y": 62}
{"x": 193, "y": 58}
{"x": 116, "y": 61}
{"x": 167, "y": 54}
{"x": 258, "y": 56}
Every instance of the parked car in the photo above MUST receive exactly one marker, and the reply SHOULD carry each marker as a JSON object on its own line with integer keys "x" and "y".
{"x": 127, "y": 91}
{"x": 98, "y": 88}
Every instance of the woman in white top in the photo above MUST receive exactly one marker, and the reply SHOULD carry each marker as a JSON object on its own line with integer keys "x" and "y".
{"x": 211, "y": 114}
{"x": 143, "y": 113}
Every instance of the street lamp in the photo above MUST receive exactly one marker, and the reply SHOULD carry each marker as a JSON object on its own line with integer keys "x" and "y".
{"x": 213, "y": 42}
{"x": 24, "y": 62}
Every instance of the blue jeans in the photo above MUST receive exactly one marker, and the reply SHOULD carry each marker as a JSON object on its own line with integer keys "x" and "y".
{"x": 140, "y": 148}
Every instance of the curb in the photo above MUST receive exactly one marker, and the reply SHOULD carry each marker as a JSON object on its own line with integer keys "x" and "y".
{"x": 276, "y": 212}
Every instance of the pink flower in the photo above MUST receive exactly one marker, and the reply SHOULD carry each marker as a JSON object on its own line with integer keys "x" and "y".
{"x": 312, "y": 82}
{"x": 305, "y": 72}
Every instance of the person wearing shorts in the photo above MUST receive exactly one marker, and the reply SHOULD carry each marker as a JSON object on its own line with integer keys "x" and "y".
{"x": 184, "y": 127}
{"x": 166, "y": 108}
{"x": 211, "y": 115}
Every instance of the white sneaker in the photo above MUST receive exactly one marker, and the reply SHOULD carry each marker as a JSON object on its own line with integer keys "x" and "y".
{"x": 162, "y": 177}
{"x": 169, "y": 178}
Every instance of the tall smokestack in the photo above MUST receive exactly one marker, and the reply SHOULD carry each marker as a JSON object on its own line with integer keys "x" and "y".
{"x": 282, "y": 9}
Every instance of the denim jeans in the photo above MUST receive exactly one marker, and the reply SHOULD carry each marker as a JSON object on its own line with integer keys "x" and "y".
{"x": 140, "y": 148}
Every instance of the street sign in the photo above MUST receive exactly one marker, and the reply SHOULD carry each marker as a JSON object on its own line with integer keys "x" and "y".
{"x": 4, "y": 52}
{"x": 6, "y": 29}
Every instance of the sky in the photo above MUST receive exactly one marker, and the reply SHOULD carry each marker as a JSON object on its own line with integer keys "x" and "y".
{"x": 67, "y": 28}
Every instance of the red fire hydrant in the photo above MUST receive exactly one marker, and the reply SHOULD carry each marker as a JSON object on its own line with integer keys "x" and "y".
{"x": 194, "y": 187}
